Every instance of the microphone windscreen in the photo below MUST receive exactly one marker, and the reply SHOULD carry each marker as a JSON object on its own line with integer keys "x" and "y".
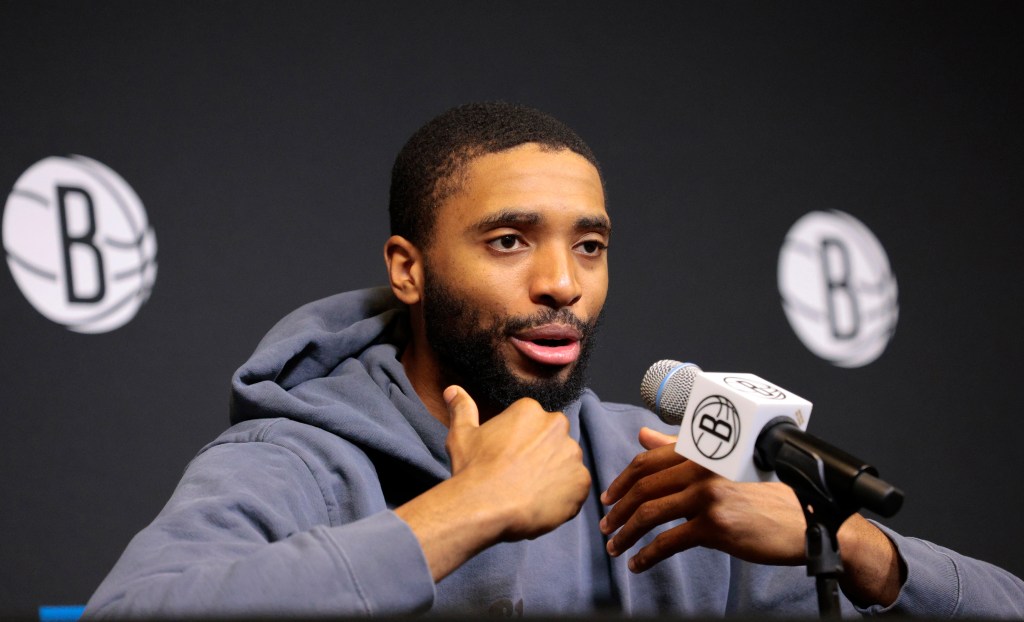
{"x": 666, "y": 388}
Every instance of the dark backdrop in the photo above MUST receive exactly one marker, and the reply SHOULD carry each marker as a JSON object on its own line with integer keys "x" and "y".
{"x": 260, "y": 138}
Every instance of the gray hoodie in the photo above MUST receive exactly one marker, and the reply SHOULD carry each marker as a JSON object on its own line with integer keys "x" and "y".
{"x": 289, "y": 511}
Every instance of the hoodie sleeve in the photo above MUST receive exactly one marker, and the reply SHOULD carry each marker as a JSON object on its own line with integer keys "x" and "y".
{"x": 247, "y": 532}
{"x": 944, "y": 584}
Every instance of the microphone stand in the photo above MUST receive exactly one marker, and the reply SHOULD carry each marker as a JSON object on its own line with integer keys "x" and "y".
{"x": 831, "y": 486}
{"x": 824, "y": 516}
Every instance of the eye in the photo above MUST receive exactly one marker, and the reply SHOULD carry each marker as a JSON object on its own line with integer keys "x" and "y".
{"x": 506, "y": 243}
{"x": 592, "y": 247}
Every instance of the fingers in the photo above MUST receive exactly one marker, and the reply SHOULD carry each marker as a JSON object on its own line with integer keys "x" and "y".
{"x": 654, "y": 500}
{"x": 757, "y": 522}
{"x": 462, "y": 410}
{"x": 666, "y": 544}
{"x": 651, "y": 439}
{"x": 643, "y": 464}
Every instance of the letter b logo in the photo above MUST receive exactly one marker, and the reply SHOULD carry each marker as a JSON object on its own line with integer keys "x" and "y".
{"x": 79, "y": 244}
{"x": 82, "y": 242}
{"x": 715, "y": 427}
{"x": 838, "y": 291}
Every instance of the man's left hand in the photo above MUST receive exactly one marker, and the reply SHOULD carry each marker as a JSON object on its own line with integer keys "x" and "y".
{"x": 756, "y": 522}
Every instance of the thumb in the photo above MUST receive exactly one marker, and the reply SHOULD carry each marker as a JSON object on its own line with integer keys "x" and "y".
{"x": 651, "y": 439}
{"x": 462, "y": 410}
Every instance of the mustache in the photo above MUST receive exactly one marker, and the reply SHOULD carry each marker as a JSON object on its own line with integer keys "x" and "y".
{"x": 516, "y": 324}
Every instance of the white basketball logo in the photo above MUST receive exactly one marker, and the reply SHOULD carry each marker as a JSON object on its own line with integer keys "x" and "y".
{"x": 837, "y": 288}
{"x": 79, "y": 244}
{"x": 715, "y": 427}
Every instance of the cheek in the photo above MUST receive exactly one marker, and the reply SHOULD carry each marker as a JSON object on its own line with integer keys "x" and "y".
{"x": 494, "y": 294}
{"x": 493, "y": 287}
{"x": 489, "y": 292}
{"x": 595, "y": 291}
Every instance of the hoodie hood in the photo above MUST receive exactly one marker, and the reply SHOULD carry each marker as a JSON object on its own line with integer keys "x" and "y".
{"x": 333, "y": 364}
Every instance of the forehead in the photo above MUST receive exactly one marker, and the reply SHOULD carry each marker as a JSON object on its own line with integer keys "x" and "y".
{"x": 526, "y": 178}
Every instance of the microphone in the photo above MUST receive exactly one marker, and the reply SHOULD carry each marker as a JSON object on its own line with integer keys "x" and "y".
{"x": 746, "y": 429}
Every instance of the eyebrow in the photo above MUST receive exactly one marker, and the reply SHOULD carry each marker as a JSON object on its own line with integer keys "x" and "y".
{"x": 520, "y": 218}
{"x": 594, "y": 223}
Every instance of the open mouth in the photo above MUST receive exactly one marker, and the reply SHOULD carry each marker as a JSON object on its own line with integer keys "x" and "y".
{"x": 551, "y": 344}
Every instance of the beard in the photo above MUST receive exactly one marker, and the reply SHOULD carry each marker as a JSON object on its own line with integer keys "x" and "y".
{"x": 471, "y": 355}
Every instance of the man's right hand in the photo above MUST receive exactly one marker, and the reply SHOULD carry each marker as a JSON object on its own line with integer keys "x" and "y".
{"x": 518, "y": 475}
{"x": 523, "y": 461}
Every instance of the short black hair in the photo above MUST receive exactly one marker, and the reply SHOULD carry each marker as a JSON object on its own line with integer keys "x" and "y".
{"x": 430, "y": 166}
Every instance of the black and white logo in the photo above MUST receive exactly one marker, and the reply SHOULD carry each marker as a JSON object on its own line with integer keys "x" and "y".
{"x": 838, "y": 291}
{"x": 763, "y": 389}
{"x": 715, "y": 427}
{"x": 79, "y": 244}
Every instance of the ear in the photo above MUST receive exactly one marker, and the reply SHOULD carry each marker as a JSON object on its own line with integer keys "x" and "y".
{"x": 405, "y": 269}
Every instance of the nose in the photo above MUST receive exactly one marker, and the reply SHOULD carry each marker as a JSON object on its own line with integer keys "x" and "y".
{"x": 554, "y": 281}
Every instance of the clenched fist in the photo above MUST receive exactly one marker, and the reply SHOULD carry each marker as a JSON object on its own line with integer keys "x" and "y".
{"x": 517, "y": 476}
{"x": 526, "y": 464}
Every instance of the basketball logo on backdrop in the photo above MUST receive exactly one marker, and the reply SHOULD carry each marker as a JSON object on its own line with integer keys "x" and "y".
{"x": 838, "y": 291}
{"x": 715, "y": 427}
{"x": 78, "y": 244}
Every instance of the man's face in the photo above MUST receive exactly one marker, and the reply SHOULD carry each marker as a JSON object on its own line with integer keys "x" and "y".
{"x": 516, "y": 276}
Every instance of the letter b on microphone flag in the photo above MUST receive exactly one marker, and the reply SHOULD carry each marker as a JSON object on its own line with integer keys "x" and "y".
{"x": 724, "y": 416}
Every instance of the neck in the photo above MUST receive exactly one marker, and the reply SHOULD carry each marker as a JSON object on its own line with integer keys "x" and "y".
{"x": 424, "y": 374}
{"x": 429, "y": 380}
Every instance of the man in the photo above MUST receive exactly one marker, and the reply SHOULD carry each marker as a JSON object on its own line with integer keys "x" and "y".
{"x": 431, "y": 446}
